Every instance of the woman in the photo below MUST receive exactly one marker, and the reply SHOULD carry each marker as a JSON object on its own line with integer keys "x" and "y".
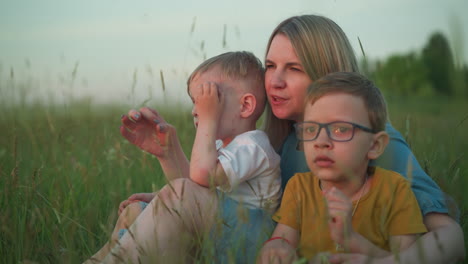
{"x": 290, "y": 68}
{"x": 300, "y": 50}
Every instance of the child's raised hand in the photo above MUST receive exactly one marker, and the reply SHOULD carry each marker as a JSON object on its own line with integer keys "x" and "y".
{"x": 209, "y": 102}
{"x": 340, "y": 216}
{"x": 148, "y": 130}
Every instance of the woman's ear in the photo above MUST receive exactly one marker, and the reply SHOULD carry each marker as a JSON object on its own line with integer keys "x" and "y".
{"x": 248, "y": 104}
{"x": 379, "y": 142}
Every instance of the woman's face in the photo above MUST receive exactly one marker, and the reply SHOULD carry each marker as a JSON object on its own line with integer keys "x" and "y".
{"x": 286, "y": 81}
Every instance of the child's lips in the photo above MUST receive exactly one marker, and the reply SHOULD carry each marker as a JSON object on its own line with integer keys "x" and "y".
{"x": 323, "y": 161}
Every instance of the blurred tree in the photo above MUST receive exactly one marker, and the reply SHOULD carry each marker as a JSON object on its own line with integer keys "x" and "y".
{"x": 464, "y": 82}
{"x": 403, "y": 75}
{"x": 438, "y": 59}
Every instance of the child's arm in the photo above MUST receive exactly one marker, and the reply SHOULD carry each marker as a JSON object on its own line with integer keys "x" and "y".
{"x": 341, "y": 230}
{"x": 204, "y": 166}
{"x": 281, "y": 247}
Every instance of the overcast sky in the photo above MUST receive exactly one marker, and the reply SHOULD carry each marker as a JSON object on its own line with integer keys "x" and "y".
{"x": 113, "y": 42}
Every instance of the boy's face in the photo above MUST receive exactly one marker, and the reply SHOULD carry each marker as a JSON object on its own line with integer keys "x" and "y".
{"x": 337, "y": 161}
{"x": 231, "y": 107}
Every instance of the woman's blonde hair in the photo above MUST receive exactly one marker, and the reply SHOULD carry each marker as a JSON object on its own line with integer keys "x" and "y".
{"x": 322, "y": 47}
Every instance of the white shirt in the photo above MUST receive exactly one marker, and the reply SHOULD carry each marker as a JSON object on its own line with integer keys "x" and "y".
{"x": 252, "y": 168}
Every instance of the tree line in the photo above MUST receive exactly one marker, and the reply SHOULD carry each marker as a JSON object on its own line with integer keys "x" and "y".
{"x": 429, "y": 72}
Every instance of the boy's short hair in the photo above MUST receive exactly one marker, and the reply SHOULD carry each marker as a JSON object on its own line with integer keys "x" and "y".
{"x": 353, "y": 84}
{"x": 239, "y": 66}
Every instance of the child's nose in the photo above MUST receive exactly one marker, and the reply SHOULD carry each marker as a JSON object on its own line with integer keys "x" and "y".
{"x": 194, "y": 111}
{"x": 322, "y": 140}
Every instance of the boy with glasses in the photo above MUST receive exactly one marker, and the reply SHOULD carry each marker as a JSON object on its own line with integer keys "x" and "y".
{"x": 343, "y": 204}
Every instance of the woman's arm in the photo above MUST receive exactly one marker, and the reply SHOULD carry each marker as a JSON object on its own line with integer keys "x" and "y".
{"x": 443, "y": 244}
{"x": 398, "y": 157}
{"x": 147, "y": 130}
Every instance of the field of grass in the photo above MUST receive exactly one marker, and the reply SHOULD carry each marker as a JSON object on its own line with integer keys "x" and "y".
{"x": 65, "y": 168}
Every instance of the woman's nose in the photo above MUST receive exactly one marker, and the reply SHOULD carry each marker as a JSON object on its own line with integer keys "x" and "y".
{"x": 277, "y": 79}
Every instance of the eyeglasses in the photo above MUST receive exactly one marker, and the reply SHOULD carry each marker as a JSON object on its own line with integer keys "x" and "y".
{"x": 337, "y": 131}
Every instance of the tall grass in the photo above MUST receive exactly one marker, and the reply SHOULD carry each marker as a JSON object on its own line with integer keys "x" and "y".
{"x": 65, "y": 169}
{"x": 63, "y": 172}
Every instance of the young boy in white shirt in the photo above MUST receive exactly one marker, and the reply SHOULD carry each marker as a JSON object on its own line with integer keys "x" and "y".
{"x": 230, "y": 156}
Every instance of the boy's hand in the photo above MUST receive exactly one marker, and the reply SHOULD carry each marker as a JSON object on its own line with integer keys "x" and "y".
{"x": 343, "y": 258}
{"x": 147, "y": 130}
{"x": 209, "y": 103}
{"x": 320, "y": 258}
{"x": 340, "y": 216}
{"x": 136, "y": 197}
{"x": 276, "y": 252}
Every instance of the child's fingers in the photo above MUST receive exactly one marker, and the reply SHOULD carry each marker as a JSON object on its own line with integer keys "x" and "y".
{"x": 127, "y": 134}
{"x": 133, "y": 196}
{"x": 214, "y": 89}
{"x": 340, "y": 210}
{"x": 125, "y": 203}
{"x": 122, "y": 206}
{"x": 205, "y": 89}
{"x": 335, "y": 194}
{"x": 161, "y": 128}
{"x": 338, "y": 206}
{"x": 277, "y": 256}
{"x": 346, "y": 258}
{"x": 208, "y": 92}
{"x": 211, "y": 89}
{"x": 151, "y": 114}
{"x": 146, "y": 110}
{"x": 336, "y": 201}
{"x": 220, "y": 95}
{"x": 129, "y": 123}
{"x": 134, "y": 115}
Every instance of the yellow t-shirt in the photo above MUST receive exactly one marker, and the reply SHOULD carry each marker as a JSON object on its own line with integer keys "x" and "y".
{"x": 388, "y": 209}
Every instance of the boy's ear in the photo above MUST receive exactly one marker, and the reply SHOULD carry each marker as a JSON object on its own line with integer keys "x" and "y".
{"x": 379, "y": 142}
{"x": 248, "y": 104}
